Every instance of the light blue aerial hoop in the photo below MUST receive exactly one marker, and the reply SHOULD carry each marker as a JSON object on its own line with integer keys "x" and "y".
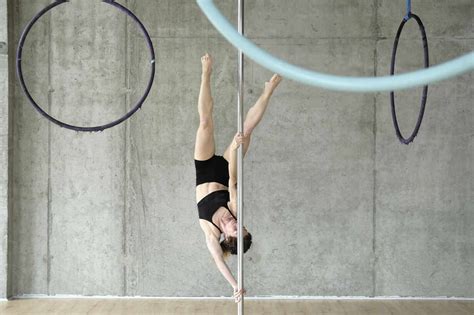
{"x": 436, "y": 73}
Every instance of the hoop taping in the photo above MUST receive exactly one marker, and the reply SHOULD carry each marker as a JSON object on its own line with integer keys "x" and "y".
{"x": 58, "y": 122}
{"x": 424, "y": 94}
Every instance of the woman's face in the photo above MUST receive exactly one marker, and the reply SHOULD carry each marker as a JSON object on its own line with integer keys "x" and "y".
{"x": 230, "y": 228}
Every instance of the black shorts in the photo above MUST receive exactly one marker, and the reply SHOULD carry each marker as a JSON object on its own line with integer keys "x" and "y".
{"x": 216, "y": 169}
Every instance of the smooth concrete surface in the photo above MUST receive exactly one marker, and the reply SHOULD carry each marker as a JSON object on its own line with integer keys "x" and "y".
{"x": 335, "y": 204}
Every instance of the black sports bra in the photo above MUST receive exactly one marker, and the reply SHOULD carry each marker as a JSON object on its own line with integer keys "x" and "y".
{"x": 208, "y": 205}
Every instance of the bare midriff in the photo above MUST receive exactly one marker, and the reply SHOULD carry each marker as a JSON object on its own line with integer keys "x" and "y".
{"x": 205, "y": 189}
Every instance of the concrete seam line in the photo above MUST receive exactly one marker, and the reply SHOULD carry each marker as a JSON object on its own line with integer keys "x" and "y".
{"x": 433, "y": 74}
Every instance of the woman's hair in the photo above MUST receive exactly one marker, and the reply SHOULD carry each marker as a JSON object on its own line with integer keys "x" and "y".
{"x": 229, "y": 245}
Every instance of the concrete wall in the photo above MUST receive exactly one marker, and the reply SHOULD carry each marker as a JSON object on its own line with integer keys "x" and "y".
{"x": 3, "y": 147}
{"x": 335, "y": 204}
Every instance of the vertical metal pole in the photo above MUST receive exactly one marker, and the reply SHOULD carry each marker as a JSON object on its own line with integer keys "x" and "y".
{"x": 240, "y": 165}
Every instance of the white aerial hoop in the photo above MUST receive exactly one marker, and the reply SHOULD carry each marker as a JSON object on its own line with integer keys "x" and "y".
{"x": 432, "y": 74}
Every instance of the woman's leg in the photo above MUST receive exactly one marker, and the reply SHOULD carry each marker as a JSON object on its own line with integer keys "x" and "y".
{"x": 205, "y": 148}
{"x": 255, "y": 113}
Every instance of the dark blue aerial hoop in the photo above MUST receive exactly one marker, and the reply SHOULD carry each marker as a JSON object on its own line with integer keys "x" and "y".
{"x": 424, "y": 94}
{"x": 60, "y": 123}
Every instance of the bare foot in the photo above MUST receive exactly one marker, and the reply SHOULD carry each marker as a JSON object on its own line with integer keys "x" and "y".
{"x": 271, "y": 85}
{"x": 206, "y": 62}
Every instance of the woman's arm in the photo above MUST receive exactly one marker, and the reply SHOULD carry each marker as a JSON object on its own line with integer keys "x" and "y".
{"x": 238, "y": 139}
{"x": 233, "y": 180}
{"x": 216, "y": 252}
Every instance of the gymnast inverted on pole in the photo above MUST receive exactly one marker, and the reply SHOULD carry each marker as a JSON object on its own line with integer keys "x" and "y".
{"x": 216, "y": 176}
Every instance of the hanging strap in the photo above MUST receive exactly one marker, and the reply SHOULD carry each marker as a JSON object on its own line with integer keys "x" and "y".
{"x": 408, "y": 15}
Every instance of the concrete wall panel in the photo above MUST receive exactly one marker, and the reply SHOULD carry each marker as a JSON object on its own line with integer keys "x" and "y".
{"x": 4, "y": 119}
{"x": 309, "y": 19}
{"x": 87, "y": 170}
{"x": 425, "y": 190}
{"x": 179, "y": 18}
{"x": 29, "y": 160}
{"x": 162, "y": 230}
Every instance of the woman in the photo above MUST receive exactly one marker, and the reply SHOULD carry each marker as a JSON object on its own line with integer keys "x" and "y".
{"x": 216, "y": 176}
